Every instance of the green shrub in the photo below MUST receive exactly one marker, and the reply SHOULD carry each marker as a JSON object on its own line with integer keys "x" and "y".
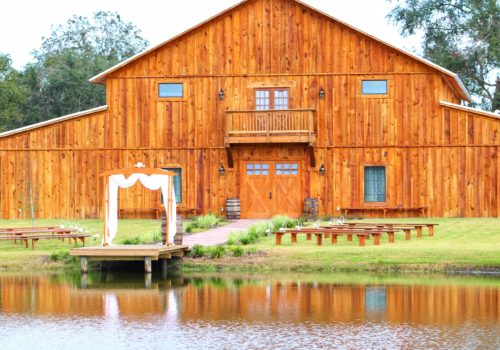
{"x": 280, "y": 221}
{"x": 217, "y": 252}
{"x": 61, "y": 255}
{"x": 198, "y": 251}
{"x": 188, "y": 226}
{"x": 206, "y": 221}
{"x": 232, "y": 239}
{"x": 132, "y": 240}
{"x": 251, "y": 250}
{"x": 237, "y": 251}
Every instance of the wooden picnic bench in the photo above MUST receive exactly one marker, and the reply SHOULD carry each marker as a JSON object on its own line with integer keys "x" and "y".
{"x": 345, "y": 210}
{"x": 418, "y": 227}
{"x": 28, "y": 228}
{"x": 334, "y": 233}
{"x": 36, "y": 237}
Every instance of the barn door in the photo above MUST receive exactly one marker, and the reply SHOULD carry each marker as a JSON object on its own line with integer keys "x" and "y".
{"x": 270, "y": 188}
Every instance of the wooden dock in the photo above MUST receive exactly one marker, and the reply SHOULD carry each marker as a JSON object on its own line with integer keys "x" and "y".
{"x": 148, "y": 253}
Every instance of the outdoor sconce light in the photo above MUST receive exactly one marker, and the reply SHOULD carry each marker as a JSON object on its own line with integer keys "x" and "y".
{"x": 321, "y": 93}
{"x": 222, "y": 171}
{"x": 322, "y": 169}
{"x": 221, "y": 94}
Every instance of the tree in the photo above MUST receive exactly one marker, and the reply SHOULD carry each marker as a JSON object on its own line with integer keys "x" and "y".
{"x": 13, "y": 95}
{"x": 461, "y": 35}
{"x": 72, "y": 54}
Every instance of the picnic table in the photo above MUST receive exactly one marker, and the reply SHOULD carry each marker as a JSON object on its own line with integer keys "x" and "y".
{"x": 36, "y": 237}
{"x": 362, "y": 234}
{"x": 34, "y": 234}
{"x": 417, "y": 226}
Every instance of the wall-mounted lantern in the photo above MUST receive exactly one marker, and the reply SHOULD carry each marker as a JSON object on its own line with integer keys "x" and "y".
{"x": 321, "y": 93}
{"x": 222, "y": 170}
{"x": 221, "y": 94}
{"x": 322, "y": 169}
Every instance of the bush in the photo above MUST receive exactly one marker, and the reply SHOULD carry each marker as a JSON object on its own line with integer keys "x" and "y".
{"x": 61, "y": 255}
{"x": 132, "y": 240}
{"x": 206, "y": 221}
{"x": 217, "y": 252}
{"x": 251, "y": 250}
{"x": 198, "y": 251}
{"x": 283, "y": 221}
{"x": 237, "y": 251}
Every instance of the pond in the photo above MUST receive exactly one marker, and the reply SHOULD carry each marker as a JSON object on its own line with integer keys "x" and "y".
{"x": 327, "y": 311}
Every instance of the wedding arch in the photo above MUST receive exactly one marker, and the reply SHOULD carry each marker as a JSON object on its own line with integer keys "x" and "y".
{"x": 151, "y": 178}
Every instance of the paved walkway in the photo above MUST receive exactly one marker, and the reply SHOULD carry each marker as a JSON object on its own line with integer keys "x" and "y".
{"x": 218, "y": 235}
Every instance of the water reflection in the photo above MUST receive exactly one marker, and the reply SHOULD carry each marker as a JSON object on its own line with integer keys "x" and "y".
{"x": 216, "y": 303}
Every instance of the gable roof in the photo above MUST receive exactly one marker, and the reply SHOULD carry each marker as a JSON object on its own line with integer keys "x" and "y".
{"x": 450, "y": 77}
{"x": 53, "y": 121}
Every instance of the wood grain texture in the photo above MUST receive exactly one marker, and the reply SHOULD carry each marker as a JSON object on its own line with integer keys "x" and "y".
{"x": 439, "y": 157}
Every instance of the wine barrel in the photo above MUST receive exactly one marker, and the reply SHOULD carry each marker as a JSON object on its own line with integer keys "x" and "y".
{"x": 311, "y": 208}
{"x": 179, "y": 230}
{"x": 233, "y": 208}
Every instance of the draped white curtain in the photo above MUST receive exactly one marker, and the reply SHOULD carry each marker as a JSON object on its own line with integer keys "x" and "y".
{"x": 152, "y": 182}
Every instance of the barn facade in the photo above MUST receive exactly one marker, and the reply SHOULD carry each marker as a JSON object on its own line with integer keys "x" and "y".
{"x": 271, "y": 102}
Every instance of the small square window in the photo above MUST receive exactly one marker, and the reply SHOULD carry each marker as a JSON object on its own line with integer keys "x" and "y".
{"x": 171, "y": 90}
{"x": 374, "y": 87}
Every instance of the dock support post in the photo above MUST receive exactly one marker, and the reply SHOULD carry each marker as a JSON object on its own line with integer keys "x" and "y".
{"x": 147, "y": 264}
{"x": 164, "y": 266}
{"x": 84, "y": 264}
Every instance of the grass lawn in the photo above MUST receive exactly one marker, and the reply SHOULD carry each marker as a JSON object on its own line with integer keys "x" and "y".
{"x": 458, "y": 244}
{"x": 471, "y": 244}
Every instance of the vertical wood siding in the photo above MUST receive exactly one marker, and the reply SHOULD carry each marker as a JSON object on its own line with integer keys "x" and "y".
{"x": 437, "y": 157}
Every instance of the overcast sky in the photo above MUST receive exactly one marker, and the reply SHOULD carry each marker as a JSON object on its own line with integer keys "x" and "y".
{"x": 24, "y": 23}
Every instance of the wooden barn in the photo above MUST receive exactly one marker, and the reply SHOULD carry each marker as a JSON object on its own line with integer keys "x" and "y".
{"x": 273, "y": 103}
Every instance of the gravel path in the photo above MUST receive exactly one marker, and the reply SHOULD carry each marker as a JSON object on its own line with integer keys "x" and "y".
{"x": 218, "y": 235}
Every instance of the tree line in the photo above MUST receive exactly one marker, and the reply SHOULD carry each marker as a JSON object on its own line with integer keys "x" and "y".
{"x": 461, "y": 35}
{"x": 56, "y": 82}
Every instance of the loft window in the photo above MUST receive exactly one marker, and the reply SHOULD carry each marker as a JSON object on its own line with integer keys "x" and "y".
{"x": 374, "y": 87}
{"x": 375, "y": 184}
{"x": 177, "y": 184}
{"x": 174, "y": 90}
{"x": 267, "y": 99}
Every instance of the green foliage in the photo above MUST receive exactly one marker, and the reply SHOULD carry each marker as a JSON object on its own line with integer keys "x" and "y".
{"x": 280, "y": 221}
{"x": 198, "y": 251}
{"x": 251, "y": 250}
{"x": 461, "y": 35}
{"x": 13, "y": 95}
{"x": 206, "y": 221}
{"x": 56, "y": 83}
{"x": 237, "y": 251}
{"x": 61, "y": 255}
{"x": 217, "y": 252}
{"x": 145, "y": 238}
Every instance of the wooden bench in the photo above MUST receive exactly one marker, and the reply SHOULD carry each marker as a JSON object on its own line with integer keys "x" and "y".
{"x": 334, "y": 233}
{"x": 156, "y": 212}
{"x": 36, "y": 237}
{"x": 402, "y": 226}
{"x": 345, "y": 210}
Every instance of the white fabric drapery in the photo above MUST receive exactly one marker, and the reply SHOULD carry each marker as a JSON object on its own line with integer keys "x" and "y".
{"x": 152, "y": 182}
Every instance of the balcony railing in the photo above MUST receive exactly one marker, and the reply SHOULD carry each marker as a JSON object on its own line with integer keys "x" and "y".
{"x": 271, "y": 126}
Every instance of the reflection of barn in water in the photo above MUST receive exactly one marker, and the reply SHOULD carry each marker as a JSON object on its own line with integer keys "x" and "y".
{"x": 186, "y": 300}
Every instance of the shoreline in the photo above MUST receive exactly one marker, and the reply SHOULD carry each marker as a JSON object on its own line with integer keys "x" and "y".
{"x": 262, "y": 263}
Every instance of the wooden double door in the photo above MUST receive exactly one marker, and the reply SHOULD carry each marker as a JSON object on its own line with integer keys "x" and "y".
{"x": 271, "y": 188}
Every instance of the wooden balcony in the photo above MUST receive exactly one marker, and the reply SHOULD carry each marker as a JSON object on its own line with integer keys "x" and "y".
{"x": 271, "y": 126}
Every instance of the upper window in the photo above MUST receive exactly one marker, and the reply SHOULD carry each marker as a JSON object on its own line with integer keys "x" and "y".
{"x": 177, "y": 184}
{"x": 375, "y": 184}
{"x": 275, "y": 98}
{"x": 374, "y": 87}
{"x": 170, "y": 90}
{"x": 287, "y": 169}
